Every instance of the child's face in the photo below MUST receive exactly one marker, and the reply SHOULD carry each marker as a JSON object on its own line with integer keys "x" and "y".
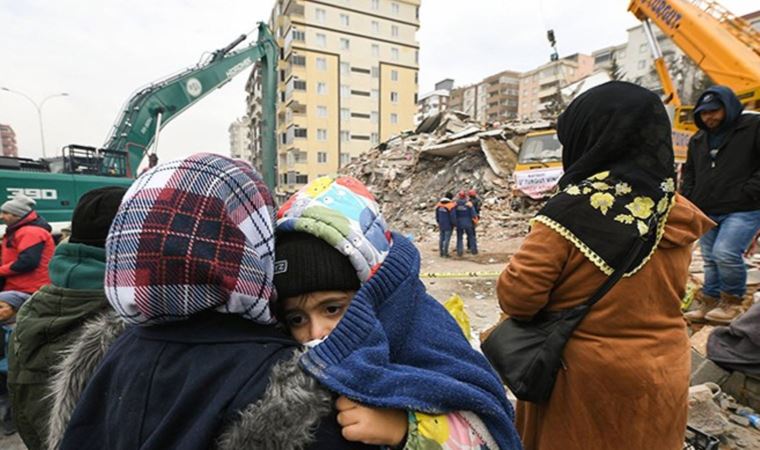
{"x": 314, "y": 315}
{"x": 6, "y": 311}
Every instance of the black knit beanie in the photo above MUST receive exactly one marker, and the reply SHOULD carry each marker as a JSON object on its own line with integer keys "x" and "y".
{"x": 304, "y": 263}
{"x": 93, "y": 215}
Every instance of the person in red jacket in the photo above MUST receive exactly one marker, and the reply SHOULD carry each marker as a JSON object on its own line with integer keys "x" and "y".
{"x": 26, "y": 249}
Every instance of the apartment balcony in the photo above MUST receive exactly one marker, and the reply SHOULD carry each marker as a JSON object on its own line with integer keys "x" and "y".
{"x": 293, "y": 8}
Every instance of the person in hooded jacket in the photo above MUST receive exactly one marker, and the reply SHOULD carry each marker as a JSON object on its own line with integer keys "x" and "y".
{"x": 472, "y": 196}
{"x": 446, "y": 218}
{"x": 722, "y": 177}
{"x": 201, "y": 364}
{"x": 54, "y": 315}
{"x": 465, "y": 223}
{"x": 625, "y": 378}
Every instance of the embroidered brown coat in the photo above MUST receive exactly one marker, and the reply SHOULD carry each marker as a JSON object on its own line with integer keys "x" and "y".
{"x": 626, "y": 381}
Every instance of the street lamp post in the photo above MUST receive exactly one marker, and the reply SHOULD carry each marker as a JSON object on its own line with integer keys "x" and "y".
{"x": 38, "y": 107}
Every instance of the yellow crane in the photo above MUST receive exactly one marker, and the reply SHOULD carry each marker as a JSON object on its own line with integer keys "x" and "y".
{"x": 722, "y": 44}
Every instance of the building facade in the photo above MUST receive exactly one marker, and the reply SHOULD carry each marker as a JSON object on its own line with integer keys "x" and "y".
{"x": 434, "y": 102}
{"x": 493, "y": 99}
{"x": 347, "y": 81}
{"x": 540, "y": 87}
{"x": 8, "y": 145}
{"x": 239, "y": 139}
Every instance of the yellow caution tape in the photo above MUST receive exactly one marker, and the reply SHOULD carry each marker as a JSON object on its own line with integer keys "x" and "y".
{"x": 460, "y": 275}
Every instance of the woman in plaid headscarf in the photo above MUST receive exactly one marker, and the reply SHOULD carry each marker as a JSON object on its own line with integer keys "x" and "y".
{"x": 200, "y": 364}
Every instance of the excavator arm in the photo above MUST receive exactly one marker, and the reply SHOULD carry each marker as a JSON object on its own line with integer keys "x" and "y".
{"x": 155, "y": 105}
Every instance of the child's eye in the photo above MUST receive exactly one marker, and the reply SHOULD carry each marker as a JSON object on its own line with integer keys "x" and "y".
{"x": 295, "y": 320}
{"x": 334, "y": 309}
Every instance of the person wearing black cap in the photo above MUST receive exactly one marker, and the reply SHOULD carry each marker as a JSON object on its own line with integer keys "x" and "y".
{"x": 722, "y": 177}
{"x": 51, "y": 319}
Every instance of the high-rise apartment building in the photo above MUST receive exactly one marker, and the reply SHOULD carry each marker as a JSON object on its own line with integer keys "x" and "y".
{"x": 540, "y": 87}
{"x": 239, "y": 139}
{"x": 8, "y": 145}
{"x": 347, "y": 81}
{"x": 493, "y": 99}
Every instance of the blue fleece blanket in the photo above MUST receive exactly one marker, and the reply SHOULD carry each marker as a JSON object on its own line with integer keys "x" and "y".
{"x": 397, "y": 347}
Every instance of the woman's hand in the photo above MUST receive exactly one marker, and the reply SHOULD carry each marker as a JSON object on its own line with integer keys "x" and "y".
{"x": 372, "y": 426}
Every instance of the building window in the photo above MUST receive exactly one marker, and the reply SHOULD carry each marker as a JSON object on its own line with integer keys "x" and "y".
{"x": 642, "y": 64}
{"x": 375, "y": 27}
{"x": 394, "y": 30}
{"x": 345, "y": 136}
{"x": 345, "y": 90}
{"x": 321, "y": 64}
{"x": 395, "y": 9}
{"x": 320, "y": 15}
{"x": 643, "y": 48}
{"x": 394, "y": 97}
{"x": 299, "y": 35}
{"x": 344, "y": 20}
{"x": 321, "y": 111}
{"x": 345, "y": 44}
{"x": 298, "y": 60}
{"x": 299, "y": 85}
{"x": 394, "y": 118}
{"x": 394, "y": 53}
{"x": 375, "y": 72}
{"x": 321, "y": 134}
{"x": 321, "y": 157}
{"x": 345, "y": 114}
{"x": 321, "y": 40}
{"x": 374, "y": 138}
{"x": 375, "y": 5}
{"x": 344, "y": 159}
{"x": 394, "y": 75}
{"x": 375, "y": 50}
{"x": 321, "y": 88}
{"x": 373, "y": 116}
{"x": 374, "y": 94}
{"x": 301, "y": 133}
{"x": 345, "y": 68}
{"x": 302, "y": 179}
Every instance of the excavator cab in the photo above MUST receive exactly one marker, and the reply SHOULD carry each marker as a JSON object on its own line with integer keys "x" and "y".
{"x": 538, "y": 169}
{"x": 86, "y": 160}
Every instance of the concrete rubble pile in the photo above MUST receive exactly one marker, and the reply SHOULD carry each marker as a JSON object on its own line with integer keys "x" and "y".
{"x": 722, "y": 404}
{"x": 448, "y": 152}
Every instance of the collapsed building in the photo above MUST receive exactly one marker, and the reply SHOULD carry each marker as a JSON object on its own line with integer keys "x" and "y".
{"x": 448, "y": 152}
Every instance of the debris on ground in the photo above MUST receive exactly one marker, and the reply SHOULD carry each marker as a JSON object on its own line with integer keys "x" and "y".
{"x": 447, "y": 152}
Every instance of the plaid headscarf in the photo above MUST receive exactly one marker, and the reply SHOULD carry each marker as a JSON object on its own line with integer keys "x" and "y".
{"x": 192, "y": 235}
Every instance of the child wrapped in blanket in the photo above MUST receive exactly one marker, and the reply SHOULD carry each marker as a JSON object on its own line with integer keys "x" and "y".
{"x": 350, "y": 290}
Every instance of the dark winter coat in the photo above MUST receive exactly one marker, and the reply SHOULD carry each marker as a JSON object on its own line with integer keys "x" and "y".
{"x": 444, "y": 214}
{"x": 731, "y": 181}
{"x": 25, "y": 254}
{"x": 465, "y": 214}
{"x": 475, "y": 204}
{"x": 212, "y": 381}
{"x": 45, "y": 325}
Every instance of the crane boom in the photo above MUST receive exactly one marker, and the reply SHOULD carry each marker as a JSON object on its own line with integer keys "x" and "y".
{"x": 723, "y": 45}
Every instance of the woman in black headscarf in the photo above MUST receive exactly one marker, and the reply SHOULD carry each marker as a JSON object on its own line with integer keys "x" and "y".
{"x": 627, "y": 365}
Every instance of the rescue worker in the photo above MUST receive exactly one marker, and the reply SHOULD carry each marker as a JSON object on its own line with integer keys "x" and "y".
{"x": 26, "y": 248}
{"x": 722, "y": 177}
{"x": 473, "y": 197}
{"x": 465, "y": 223}
{"x": 445, "y": 217}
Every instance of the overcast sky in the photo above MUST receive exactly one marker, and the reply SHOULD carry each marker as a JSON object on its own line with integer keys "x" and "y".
{"x": 101, "y": 51}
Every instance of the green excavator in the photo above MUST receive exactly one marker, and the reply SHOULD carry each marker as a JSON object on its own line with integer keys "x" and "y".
{"x": 57, "y": 183}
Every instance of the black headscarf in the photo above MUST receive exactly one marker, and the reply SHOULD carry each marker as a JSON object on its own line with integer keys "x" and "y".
{"x": 618, "y": 184}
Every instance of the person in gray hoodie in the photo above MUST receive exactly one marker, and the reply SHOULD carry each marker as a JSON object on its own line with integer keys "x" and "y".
{"x": 722, "y": 177}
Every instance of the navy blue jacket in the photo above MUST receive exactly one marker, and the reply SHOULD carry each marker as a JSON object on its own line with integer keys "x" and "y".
{"x": 465, "y": 214}
{"x": 444, "y": 214}
{"x": 177, "y": 385}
